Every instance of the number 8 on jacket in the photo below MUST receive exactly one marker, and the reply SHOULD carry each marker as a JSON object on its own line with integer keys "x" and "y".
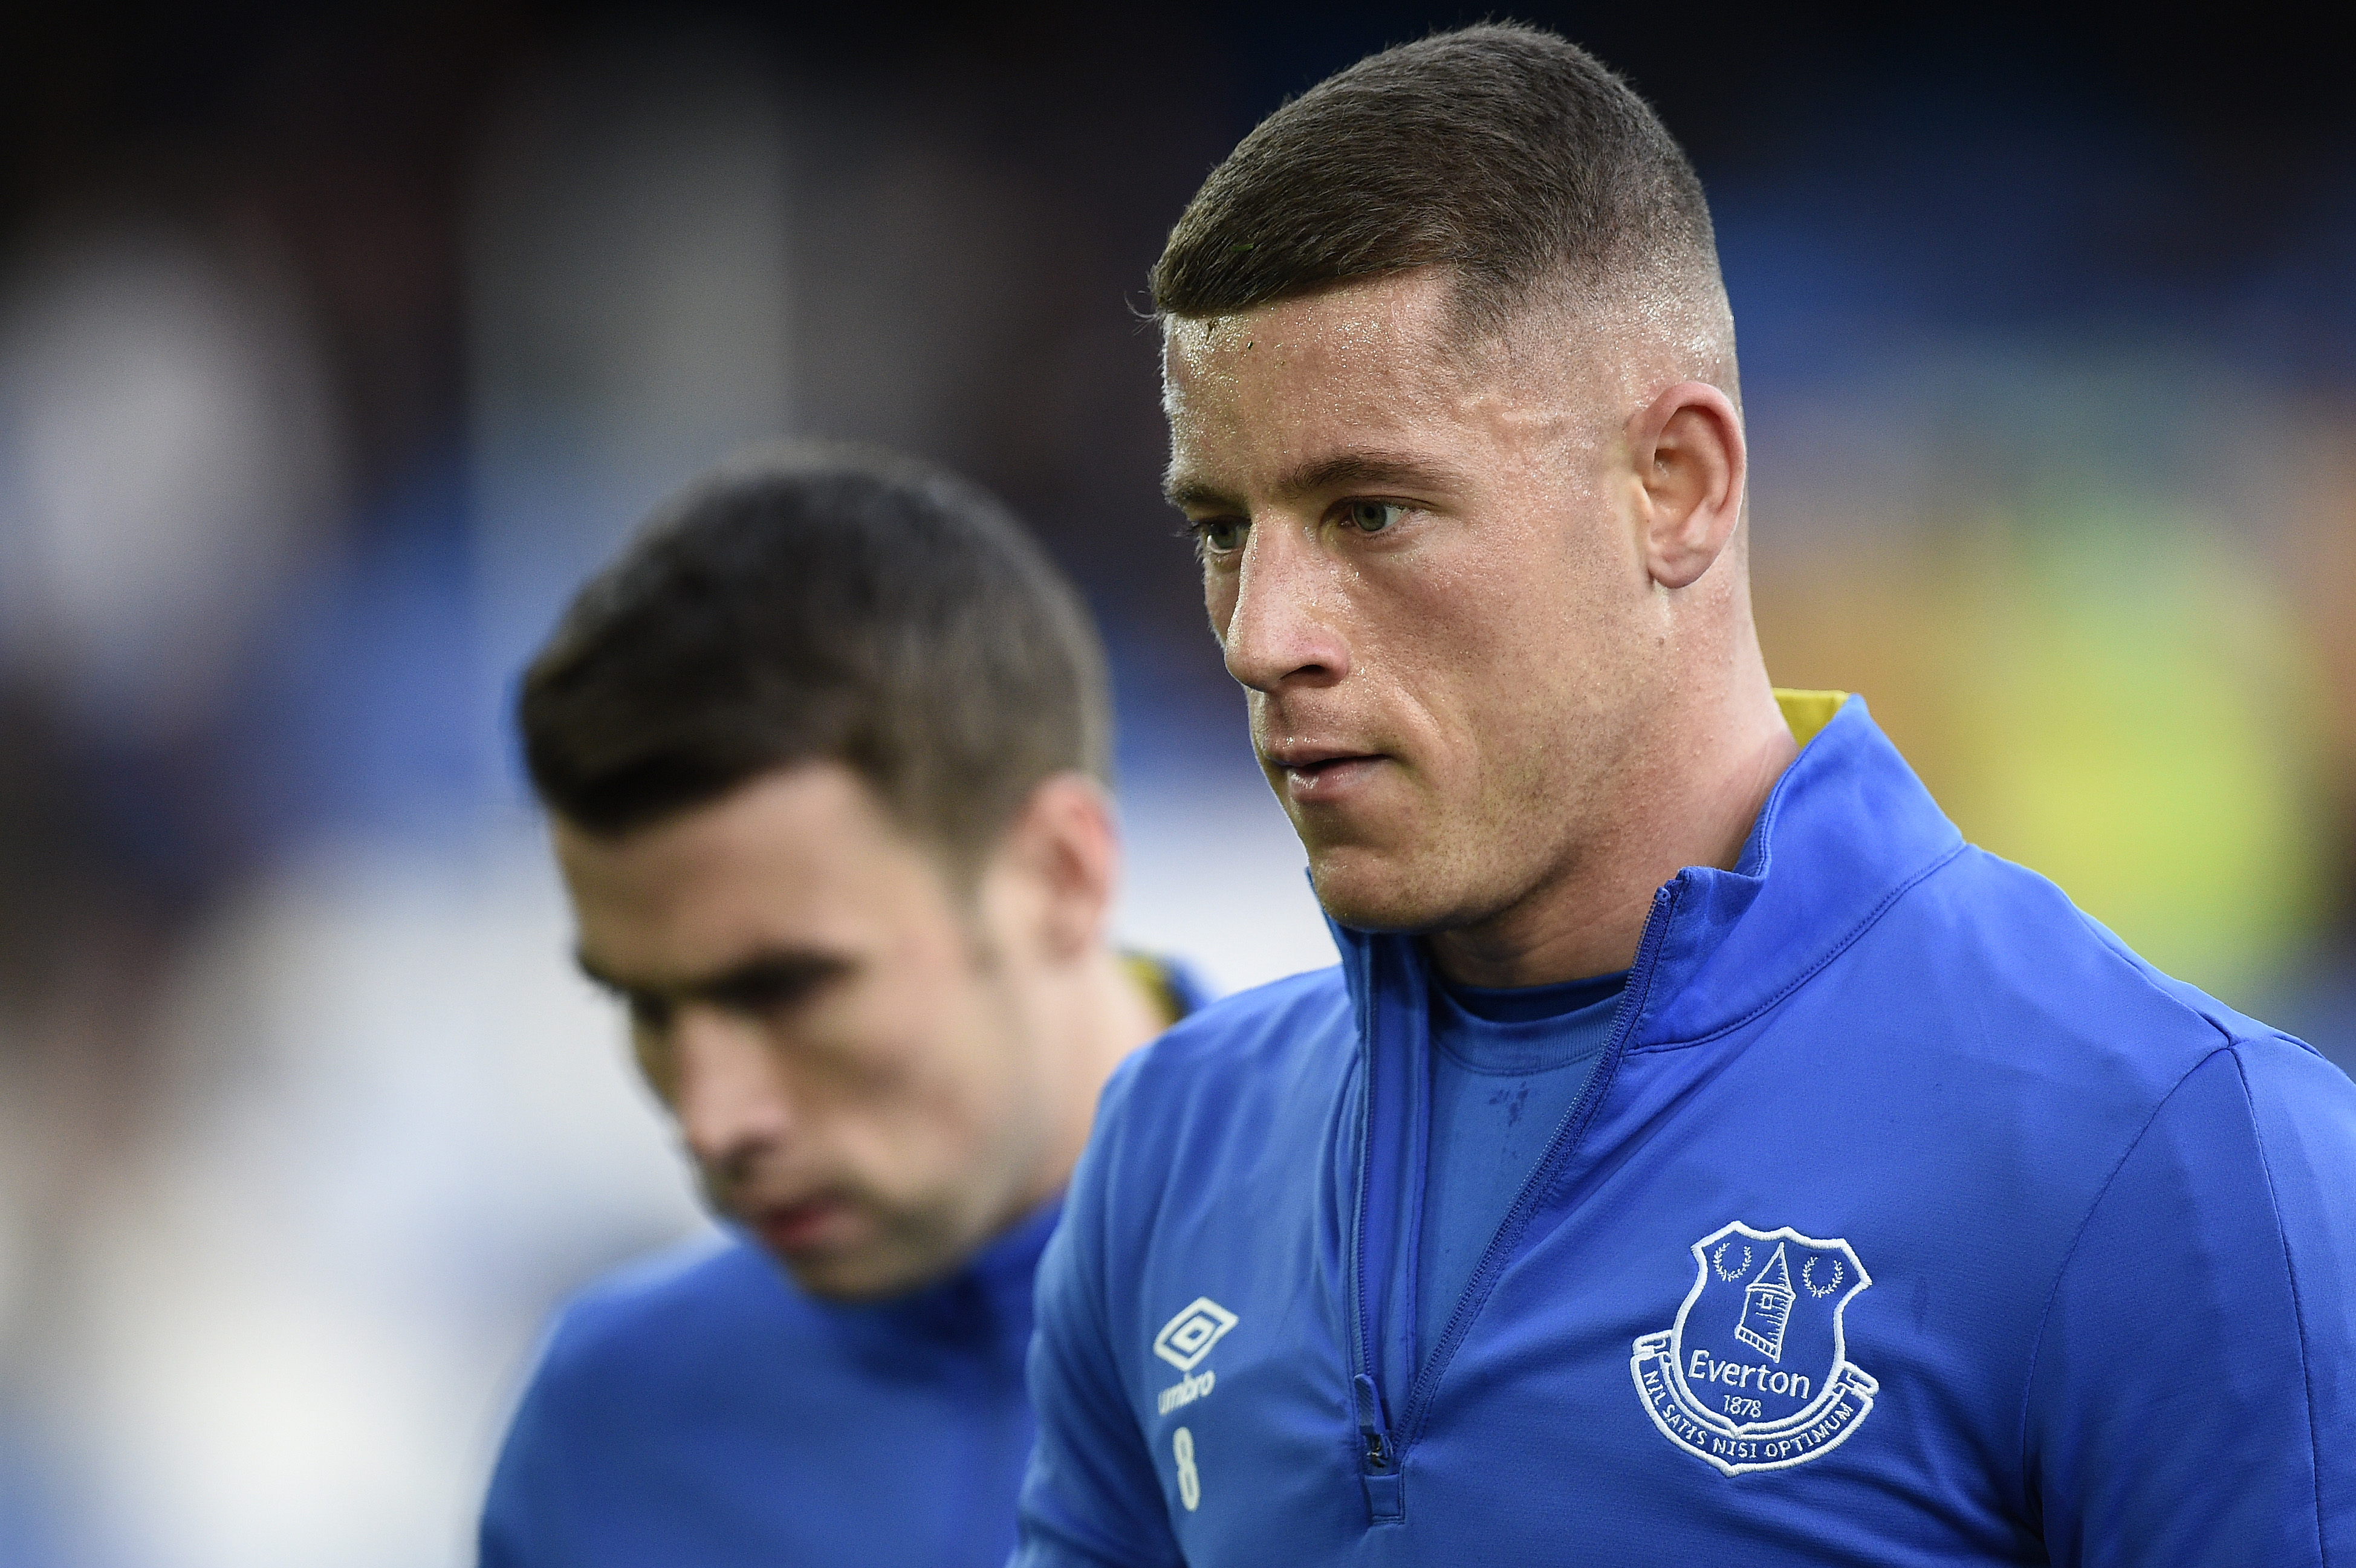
{"x": 1190, "y": 1483}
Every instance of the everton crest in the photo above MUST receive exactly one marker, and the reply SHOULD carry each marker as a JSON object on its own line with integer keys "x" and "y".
{"x": 1753, "y": 1375}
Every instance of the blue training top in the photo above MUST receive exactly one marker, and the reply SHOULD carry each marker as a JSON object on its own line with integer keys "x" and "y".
{"x": 710, "y": 1413}
{"x": 1907, "y": 1218}
{"x": 703, "y": 1410}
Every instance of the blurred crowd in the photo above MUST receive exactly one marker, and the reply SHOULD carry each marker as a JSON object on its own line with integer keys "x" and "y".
{"x": 333, "y": 353}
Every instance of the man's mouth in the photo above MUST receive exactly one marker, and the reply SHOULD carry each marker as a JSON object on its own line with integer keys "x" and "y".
{"x": 1322, "y": 774}
{"x": 805, "y": 1224}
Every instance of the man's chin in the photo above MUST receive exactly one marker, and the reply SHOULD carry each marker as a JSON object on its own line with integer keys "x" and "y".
{"x": 1366, "y": 889}
{"x": 829, "y": 1245}
{"x": 862, "y": 1262}
{"x": 854, "y": 1276}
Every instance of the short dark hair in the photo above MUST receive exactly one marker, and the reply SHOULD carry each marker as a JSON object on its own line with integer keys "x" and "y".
{"x": 1505, "y": 153}
{"x": 820, "y": 603}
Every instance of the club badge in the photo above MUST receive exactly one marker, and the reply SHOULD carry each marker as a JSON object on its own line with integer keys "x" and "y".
{"x": 1753, "y": 1375}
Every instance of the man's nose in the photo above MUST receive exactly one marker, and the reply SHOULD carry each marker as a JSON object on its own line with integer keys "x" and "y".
{"x": 727, "y": 1088}
{"x": 1284, "y": 626}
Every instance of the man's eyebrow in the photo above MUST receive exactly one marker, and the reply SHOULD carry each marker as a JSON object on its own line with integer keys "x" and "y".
{"x": 770, "y": 980}
{"x": 1364, "y": 469}
{"x": 1370, "y": 468}
{"x": 762, "y": 976}
{"x": 1195, "y": 495}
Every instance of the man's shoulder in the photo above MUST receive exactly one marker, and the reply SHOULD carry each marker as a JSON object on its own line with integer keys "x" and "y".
{"x": 1301, "y": 1023}
{"x": 1255, "y": 1022}
{"x": 2030, "y": 950}
{"x": 1993, "y": 965}
{"x": 1244, "y": 1061}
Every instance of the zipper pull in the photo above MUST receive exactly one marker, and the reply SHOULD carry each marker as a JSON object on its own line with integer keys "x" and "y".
{"x": 1384, "y": 1482}
{"x": 1373, "y": 1423}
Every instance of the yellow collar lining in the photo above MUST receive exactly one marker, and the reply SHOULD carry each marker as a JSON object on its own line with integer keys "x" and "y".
{"x": 1808, "y": 712}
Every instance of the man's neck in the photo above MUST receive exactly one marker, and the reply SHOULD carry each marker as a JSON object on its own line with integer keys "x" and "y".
{"x": 1102, "y": 1016}
{"x": 1683, "y": 805}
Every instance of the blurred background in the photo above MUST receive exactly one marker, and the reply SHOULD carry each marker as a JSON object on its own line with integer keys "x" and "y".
{"x": 333, "y": 350}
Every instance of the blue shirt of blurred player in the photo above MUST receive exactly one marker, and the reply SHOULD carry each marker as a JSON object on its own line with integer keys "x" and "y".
{"x": 823, "y": 755}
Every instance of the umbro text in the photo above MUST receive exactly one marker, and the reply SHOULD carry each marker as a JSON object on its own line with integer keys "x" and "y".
{"x": 1186, "y": 1391}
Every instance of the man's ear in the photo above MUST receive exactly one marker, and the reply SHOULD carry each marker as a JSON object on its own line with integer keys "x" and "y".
{"x": 1687, "y": 452}
{"x": 1063, "y": 847}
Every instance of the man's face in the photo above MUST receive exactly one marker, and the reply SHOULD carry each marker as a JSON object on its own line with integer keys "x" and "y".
{"x": 832, "y": 1024}
{"x": 1424, "y": 562}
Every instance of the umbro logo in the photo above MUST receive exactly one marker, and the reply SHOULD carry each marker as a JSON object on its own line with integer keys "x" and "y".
{"x": 1186, "y": 1339}
{"x": 1183, "y": 1342}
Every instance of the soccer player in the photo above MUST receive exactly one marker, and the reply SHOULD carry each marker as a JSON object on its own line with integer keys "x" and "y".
{"x": 824, "y": 757}
{"x": 1701, "y": 1155}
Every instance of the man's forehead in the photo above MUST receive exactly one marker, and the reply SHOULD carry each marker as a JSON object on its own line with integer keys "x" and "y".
{"x": 810, "y": 811}
{"x": 1411, "y": 310}
{"x": 1359, "y": 387}
{"x": 803, "y": 858}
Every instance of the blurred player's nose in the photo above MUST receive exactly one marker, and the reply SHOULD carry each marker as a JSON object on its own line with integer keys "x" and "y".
{"x": 728, "y": 1089}
{"x": 1280, "y": 628}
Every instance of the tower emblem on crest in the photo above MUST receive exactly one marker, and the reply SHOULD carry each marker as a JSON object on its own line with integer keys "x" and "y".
{"x": 1755, "y": 1374}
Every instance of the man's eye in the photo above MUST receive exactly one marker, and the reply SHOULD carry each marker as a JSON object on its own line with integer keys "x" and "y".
{"x": 647, "y": 1012}
{"x": 768, "y": 989}
{"x": 1373, "y": 517}
{"x": 1221, "y": 536}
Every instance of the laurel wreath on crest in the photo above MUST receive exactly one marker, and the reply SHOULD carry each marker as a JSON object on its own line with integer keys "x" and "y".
{"x": 1807, "y": 1276}
{"x": 1717, "y": 1260}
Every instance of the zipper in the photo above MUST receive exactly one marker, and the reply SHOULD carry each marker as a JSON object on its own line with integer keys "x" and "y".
{"x": 1377, "y": 1451}
{"x": 1383, "y": 1448}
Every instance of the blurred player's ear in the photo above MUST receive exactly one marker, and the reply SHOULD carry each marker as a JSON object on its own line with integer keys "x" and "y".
{"x": 1062, "y": 850}
{"x": 1686, "y": 450}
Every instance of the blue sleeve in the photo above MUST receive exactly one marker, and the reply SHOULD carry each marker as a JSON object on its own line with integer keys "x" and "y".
{"x": 1091, "y": 1495}
{"x": 2196, "y": 1374}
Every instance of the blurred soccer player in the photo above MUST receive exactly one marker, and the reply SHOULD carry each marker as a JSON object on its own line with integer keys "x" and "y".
{"x": 824, "y": 757}
{"x": 1701, "y": 1155}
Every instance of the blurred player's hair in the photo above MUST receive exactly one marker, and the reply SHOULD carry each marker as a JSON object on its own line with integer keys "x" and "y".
{"x": 1505, "y": 153}
{"x": 820, "y": 603}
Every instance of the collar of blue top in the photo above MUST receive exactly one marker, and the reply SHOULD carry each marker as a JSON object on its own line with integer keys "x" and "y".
{"x": 1721, "y": 948}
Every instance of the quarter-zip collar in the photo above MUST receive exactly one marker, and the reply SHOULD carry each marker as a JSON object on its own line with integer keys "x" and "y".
{"x": 1849, "y": 815}
{"x": 1844, "y": 832}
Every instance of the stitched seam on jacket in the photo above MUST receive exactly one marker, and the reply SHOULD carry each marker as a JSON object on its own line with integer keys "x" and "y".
{"x": 2070, "y": 1253}
{"x": 2297, "y": 1307}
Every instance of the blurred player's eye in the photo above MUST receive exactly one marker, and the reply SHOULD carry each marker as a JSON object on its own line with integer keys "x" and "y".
{"x": 1373, "y": 517}
{"x": 649, "y": 1013}
{"x": 772, "y": 986}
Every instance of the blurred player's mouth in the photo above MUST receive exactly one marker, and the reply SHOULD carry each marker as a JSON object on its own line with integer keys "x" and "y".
{"x": 806, "y": 1226}
{"x": 1318, "y": 775}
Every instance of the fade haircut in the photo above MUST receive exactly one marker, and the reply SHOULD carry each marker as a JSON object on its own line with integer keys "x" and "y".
{"x": 1506, "y": 155}
{"x": 818, "y": 602}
